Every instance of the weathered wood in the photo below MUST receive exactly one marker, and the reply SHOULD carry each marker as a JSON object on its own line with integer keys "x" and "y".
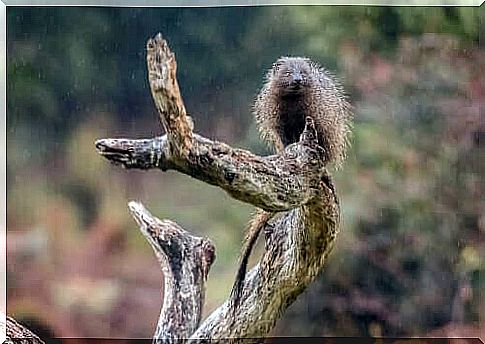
{"x": 294, "y": 183}
{"x": 273, "y": 183}
{"x": 19, "y": 334}
{"x": 185, "y": 262}
{"x": 295, "y": 251}
{"x": 162, "y": 69}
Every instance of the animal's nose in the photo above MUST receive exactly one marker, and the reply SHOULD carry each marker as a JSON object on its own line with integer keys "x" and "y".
{"x": 297, "y": 79}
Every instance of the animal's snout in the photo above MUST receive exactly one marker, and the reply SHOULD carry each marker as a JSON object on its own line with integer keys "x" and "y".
{"x": 297, "y": 80}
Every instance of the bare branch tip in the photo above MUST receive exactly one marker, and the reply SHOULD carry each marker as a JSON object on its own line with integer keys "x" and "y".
{"x": 100, "y": 145}
{"x": 135, "y": 206}
{"x": 138, "y": 211}
{"x": 158, "y": 37}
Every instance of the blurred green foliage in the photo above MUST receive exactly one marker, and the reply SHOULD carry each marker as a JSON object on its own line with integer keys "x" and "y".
{"x": 409, "y": 260}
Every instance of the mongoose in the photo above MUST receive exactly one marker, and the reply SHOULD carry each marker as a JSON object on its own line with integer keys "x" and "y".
{"x": 295, "y": 88}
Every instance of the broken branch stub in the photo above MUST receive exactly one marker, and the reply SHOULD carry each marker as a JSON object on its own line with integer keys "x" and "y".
{"x": 185, "y": 261}
{"x": 162, "y": 69}
{"x": 295, "y": 184}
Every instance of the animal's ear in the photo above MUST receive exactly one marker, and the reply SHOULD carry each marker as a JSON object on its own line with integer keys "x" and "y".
{"x": 277, "y": 65}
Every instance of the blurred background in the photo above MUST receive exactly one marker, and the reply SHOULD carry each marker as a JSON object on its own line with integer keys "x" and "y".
{"x": 409, "y": 259}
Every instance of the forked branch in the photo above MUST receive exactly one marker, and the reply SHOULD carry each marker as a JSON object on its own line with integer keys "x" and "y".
{"x": 295, "y": 184}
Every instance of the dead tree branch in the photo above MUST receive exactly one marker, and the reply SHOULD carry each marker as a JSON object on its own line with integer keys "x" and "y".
{"x": 294, "y": 183}
{"x": 185, "y": 262}
{"x": 17, "y": 333}
{"x": 273, "y": 183}
{"x": 162, "y": 68}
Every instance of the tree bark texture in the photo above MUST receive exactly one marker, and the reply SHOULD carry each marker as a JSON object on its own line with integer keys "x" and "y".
{"x": 294, "y": 184}
{"x": 19, "y": 334}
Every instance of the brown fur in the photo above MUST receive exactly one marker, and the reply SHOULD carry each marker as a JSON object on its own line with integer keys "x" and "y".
{"x": 295, "y": 88}
{"x": 321, "y": 98}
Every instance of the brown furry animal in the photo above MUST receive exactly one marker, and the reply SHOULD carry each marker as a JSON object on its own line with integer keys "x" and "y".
{"x": 295, "y": 88}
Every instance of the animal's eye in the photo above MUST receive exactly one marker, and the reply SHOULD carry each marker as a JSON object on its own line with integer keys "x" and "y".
{"x": 287, "y": 73}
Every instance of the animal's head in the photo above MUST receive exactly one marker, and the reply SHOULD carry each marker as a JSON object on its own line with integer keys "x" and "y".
{"x": 291, "y": 75}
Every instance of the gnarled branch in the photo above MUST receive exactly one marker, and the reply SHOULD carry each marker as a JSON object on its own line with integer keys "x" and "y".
{"x": 185, "y": 262}
{"x": 294, "y": 183}
{"x": 273, "y": 183}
